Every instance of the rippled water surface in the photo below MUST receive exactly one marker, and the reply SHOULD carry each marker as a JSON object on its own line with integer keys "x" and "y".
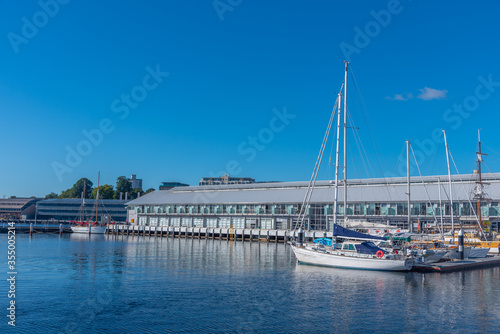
{"x": 133, "y": 284}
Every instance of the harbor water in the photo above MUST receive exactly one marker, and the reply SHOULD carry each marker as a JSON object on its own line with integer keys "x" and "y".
{"x": 119, "y": 283}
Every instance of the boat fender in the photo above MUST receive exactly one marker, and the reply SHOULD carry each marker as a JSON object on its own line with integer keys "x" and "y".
{"x": 380, "y": 254}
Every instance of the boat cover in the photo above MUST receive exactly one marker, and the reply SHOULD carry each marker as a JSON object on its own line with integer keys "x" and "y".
{"x": 323, "y": 241}
{"x": 368, "y": 248}
{"x": 339, "y": 231}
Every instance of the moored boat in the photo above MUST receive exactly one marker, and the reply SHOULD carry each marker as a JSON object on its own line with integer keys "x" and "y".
{"x": 353, "y": 255}
{"x": 83, "y": 226}
{"x": 357, "y": 252}
{"x": 95, "y": 229}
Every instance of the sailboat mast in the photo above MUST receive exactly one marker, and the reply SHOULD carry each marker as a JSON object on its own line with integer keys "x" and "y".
{"x": 440, "y": 208}
{"x": 410, "y": 225}
{"x": 451, "y": 194}
{"x": 345, "y": 143}
{"x": 83, "y": 203}
{"x": 337, "y": 162}
{"x": 97, "y": 197}
{"x": 480, "y": 181}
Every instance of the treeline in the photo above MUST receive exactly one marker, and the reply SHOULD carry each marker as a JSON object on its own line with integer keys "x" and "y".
{"x": 106, "y": 191}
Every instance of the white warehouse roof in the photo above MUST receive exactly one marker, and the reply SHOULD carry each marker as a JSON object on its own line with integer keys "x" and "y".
{"x": 381, "y": 190}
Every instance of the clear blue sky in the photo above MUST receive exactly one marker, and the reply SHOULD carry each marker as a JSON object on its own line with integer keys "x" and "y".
{"x": 85, "y": 65}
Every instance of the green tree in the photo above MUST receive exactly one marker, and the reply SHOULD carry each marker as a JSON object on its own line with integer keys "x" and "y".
{"x": 77, "y": 189}
{"x": 68, "y": 193}
{"x": 134, "y": 192}
{"x": 106, "y": 191}
{"x": 150, "y": 190}
{"x": 51, "y": 196}
{"x": 122, "y": 186}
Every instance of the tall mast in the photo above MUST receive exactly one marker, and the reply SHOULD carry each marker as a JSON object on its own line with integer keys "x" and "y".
{"x": 410, "y": 225}
{"x": 337, "y": 162}
{"x": 479, "y": 191}
{"x": 451, "y": 194}
{"x": 96, "y": 201}
{"x": 440, "y": 208}
{"x": 83, "y": 203}
{"x": 345, "y": 143}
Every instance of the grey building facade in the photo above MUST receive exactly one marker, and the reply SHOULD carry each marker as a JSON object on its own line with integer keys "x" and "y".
{"x": 277, "y": 205}
{"x": 70, "y": 209}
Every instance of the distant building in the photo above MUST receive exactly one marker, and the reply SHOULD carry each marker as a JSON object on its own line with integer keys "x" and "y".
{"x": 71, "y": 209}
{"x": 225, "y": 180}
{"x": 18, "y": 208}
{"x": 170, "y": 185}
{"x": 135, "y": 182}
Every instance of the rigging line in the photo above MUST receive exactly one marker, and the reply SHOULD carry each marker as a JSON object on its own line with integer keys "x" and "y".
{"x": 357, "y": 139}
{"x": 330, "y": 163}
{"x": 356, "y": 173}
{"x": 314, "y": 175}
{"x": 490, "y": 149}
{"x": 484, "y": 163}
{"x": 362, "y": 151}
{"x": 400, "y": 159}
{"x": 363, "y": 109}
{"x": 425, "y": 188}
{"x": 468, "y": 197}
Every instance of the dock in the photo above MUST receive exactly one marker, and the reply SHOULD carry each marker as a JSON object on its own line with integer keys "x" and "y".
{"x": 458, "y": 265}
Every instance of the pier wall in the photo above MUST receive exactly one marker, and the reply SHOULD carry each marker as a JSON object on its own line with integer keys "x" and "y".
{"x": 239, "y": 234}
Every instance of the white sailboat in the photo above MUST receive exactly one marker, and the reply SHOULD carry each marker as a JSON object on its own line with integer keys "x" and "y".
{"x": 89, "y": 227}
{"x": 358, "y": 251}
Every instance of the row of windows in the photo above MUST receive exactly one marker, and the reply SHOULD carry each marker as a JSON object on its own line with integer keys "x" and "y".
{"x": 74, "y": 206}
{"x": 355, "y": 209}
{"x": 279, "y": 209}
{"x": 222, "y": 222}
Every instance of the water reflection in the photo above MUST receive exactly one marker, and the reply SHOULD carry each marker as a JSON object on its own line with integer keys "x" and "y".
{"x": 129, "y": 283}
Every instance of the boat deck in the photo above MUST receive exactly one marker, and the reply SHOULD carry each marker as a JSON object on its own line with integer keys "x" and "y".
{"x": 458, "y": 265}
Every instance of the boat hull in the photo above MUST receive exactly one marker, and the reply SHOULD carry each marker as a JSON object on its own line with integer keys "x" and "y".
{"x": 435, "y": 257}
{"x": 478, "y": 252}
{"x": 85, "y": 229}
{"x": 307, "y": 256}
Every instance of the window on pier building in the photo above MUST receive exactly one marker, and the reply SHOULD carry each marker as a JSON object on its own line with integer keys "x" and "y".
{"x": 229, "y": 209}
{"x": 494, "y": 209}
{"x": 391, "y": 209}
{"x": 340, "y": 209}
{"x": 384, "y": 209}
{"x": 402, "y": 209}
{"x": 467, "y": 209}
{"x": 193, "y": 209}
{"x": 485, "y": 212}
{"x": 292, "y": 209}
{"x": 423, "y": 209}
{"x": 261, "y": 209}
{"x": 370, "y": 209}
